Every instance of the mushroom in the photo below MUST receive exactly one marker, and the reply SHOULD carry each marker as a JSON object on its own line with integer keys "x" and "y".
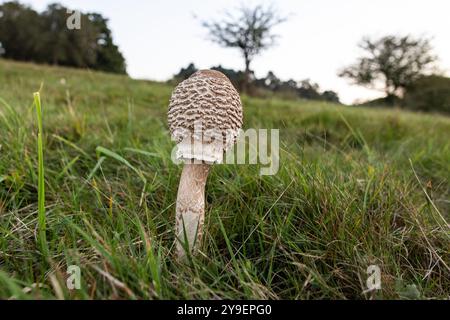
{"x": 205, "y": 116}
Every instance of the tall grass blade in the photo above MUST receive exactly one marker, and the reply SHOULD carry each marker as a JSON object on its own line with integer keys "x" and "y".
{"x": 113, "y": 155}
{"x": 41, "y": 180}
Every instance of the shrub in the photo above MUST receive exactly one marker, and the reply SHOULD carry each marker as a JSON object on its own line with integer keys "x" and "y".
{"x": 430, "y": 93}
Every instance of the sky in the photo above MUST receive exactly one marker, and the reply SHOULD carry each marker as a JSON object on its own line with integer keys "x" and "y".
{"x": 158, "y": 37}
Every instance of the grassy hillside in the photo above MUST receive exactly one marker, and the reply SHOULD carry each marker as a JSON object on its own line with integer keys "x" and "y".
{"x": 356, "y": 187}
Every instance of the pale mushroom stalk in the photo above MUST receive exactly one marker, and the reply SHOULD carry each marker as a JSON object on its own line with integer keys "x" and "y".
{"x": 205, "y": 116}
{"x": 190, "y": 207}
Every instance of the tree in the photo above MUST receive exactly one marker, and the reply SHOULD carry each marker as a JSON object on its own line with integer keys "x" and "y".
{"x": 185, "y": 73}
{"x": 270, "y": 82}
{"x": 109, "y": 57}
{"x": 237, "y": 78}
{"x": 19, "y": 31}
{"x": 330, "y": 96}
{"x": 27, "y": 35}
{"x": 61, "y": 46}
{"x": 394, "y": 61}
{"x": 309, "y": 90}
{"x": 249, "y": 30}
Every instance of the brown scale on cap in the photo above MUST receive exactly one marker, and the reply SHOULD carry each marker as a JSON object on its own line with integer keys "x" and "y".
{"x": 208, "y": 98}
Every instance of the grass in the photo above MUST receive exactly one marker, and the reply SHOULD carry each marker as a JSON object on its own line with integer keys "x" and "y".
{"x": 356, "y": 187}
{"x": 41, "y": 179}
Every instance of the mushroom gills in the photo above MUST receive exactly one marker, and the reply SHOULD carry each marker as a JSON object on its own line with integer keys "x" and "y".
{"x": 209, "y": 153}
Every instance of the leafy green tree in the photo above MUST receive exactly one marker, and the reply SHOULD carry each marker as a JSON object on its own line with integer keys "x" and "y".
{"x": 270, "y": 82}
{"x": 27, "y": 35}
{"x": 249, "y": 30}
{"x": 237, "y": 78}
{"x": 61, "y": 46}
{"x": 19, "y": 31}
{"x": 109, "y": 57}
{"x": 185, "y": 73}
{"x": 309, "y": 90}
{"x": 330, "y": 96}
{"x": 393, "y": 61}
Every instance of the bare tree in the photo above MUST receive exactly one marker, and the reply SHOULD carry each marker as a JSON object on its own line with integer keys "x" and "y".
{"x": 247, "y": 29}
{"x": 396, "y": 62}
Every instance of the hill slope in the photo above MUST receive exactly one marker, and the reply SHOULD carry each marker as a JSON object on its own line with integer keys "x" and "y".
{"x": 356, "y": 187}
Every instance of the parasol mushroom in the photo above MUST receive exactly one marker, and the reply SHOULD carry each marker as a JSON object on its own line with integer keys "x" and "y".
{"x": 205, "y": 116}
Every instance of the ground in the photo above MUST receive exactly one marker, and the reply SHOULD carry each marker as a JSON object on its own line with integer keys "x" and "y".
{"x": 357, "y": 187}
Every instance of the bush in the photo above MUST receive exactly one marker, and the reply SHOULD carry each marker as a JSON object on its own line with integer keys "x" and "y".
{"x": 430, "y": 93}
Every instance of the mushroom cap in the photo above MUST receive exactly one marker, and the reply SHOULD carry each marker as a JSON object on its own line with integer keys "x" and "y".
{"x": 205, "y": 116}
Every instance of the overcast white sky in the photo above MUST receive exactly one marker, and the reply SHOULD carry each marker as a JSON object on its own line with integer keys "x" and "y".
{"x": 159, "y": 37}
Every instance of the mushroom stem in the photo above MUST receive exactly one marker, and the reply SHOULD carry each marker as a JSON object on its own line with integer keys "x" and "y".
{"x": 190, "y": 208}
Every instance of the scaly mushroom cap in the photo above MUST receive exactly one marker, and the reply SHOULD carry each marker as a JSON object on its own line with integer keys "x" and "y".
{"x": 205, "y": 116}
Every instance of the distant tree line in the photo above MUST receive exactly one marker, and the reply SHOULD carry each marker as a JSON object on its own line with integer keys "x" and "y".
{"x": 270, "y": 84}
{"x": 43, "y": 37}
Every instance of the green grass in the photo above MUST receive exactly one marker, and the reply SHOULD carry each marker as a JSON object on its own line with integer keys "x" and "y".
{"x": 41, "y": 178}
{"x": 356, "y": 187}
